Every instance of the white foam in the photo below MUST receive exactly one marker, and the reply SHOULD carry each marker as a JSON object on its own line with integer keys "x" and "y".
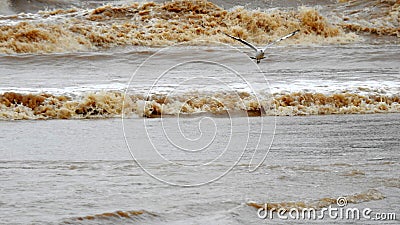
{"x": 331, "y": 86}
{"x": 72, "y": 90}
{"x": 388, "y": 88}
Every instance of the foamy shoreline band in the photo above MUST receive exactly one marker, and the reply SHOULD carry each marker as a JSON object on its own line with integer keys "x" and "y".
{"x": 172, "y": 22}
{"x": 16, "y": 106}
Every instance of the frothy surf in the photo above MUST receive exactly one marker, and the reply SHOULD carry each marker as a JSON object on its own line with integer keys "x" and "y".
{"x": 161, "y": 24}
{"x": 373, "y": 16}
{"x": 17, "y": 106}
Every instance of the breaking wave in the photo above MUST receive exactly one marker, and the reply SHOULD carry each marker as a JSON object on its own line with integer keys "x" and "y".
{"x": 369, "y": 195}
{"x": 111, "y": 217}
{"x": 71, "y": 26}
{"x": 160, "y": 24}
{"x": 17, "y": 106}
{"x": 379, "y": 17}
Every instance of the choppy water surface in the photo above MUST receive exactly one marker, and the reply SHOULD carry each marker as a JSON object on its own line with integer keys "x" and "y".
{"x": 291, "y": 81}
{"x": 61, "y": 170}
{"x": 145, "y": 112}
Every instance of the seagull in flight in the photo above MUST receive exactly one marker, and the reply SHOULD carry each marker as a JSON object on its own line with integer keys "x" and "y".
{"x": 261, "y": 52}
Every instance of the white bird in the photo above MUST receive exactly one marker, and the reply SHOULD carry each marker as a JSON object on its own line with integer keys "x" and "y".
{"x": 261, "y": 52}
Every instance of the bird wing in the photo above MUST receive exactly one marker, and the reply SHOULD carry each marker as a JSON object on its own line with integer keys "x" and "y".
{"x": 243, "y": 41}
{"x": 281, "y": 39}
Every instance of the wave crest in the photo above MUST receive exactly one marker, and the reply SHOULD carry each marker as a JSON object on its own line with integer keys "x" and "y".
{"x": 373, "y": 16}
{"x": 154, "y": 24}
{"x": 369, "y": 195}
{"x": 16, "y": 106}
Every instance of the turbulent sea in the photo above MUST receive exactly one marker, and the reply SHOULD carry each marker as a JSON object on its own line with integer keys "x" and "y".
{"x": 120, "y": 112}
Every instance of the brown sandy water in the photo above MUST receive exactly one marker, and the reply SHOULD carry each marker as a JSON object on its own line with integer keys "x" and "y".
{"x": 79, "y": 170}
{"x": 107, "y": 111}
